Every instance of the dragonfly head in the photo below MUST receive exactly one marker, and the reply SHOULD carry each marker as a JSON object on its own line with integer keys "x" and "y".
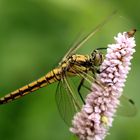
{"x": 96, "y": 58}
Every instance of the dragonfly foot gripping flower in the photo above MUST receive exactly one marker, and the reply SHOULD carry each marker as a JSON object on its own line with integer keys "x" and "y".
{"x": 96, "y": 116}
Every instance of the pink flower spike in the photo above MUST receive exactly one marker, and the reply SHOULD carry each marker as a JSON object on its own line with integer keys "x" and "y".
{"x": 98, "y": 112}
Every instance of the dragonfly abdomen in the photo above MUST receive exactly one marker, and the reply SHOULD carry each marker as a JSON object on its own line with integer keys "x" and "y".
{"x": 49, "y": 78}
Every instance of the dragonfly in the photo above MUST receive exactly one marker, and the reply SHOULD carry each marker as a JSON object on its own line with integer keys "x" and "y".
{"x": 72, "y": 65}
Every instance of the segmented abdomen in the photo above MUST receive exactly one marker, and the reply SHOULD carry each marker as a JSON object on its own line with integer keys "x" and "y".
{"x": 49, "y": 78}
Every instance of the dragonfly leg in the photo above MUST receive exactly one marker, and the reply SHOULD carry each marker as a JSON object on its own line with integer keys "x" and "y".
{"x": 79, "y": 88}
{"x": 103, "y": 70}
{"x": 102, "y": 48}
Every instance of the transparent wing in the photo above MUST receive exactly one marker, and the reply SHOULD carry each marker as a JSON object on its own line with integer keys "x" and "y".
{"x": 66, "y": 101}
{"x": 67, "y": 98}
{"x": 127, "y": 107}
{"x": 79, "y": 44}
{"x": 69, "y": 102}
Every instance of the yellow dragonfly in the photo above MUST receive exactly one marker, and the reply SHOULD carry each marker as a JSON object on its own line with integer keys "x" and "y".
{"x": 71, "y": 65}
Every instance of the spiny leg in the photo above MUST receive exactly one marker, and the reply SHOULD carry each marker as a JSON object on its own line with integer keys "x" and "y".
{"x": 102, "y": 70}
{"x": 79, "y": 88}
{"x": 81, "y": 84}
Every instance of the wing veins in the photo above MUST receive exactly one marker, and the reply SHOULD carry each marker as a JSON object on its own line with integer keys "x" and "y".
{"x": 66, "y": 101}
{"x": 87, "y": 37}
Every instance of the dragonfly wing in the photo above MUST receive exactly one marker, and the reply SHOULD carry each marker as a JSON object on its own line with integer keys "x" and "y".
{"x": 127, "y": 107}
{"x": 66, "y": 101}
{"x": 79, "y": 44}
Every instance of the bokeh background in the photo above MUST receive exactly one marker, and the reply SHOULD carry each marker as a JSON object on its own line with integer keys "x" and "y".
{"x": 34, "y": 36}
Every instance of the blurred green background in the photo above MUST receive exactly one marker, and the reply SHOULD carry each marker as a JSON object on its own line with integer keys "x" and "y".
{"x": 34, "y": 35}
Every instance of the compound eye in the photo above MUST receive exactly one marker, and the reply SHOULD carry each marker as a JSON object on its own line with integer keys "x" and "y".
{"x": 93, "y": 54}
